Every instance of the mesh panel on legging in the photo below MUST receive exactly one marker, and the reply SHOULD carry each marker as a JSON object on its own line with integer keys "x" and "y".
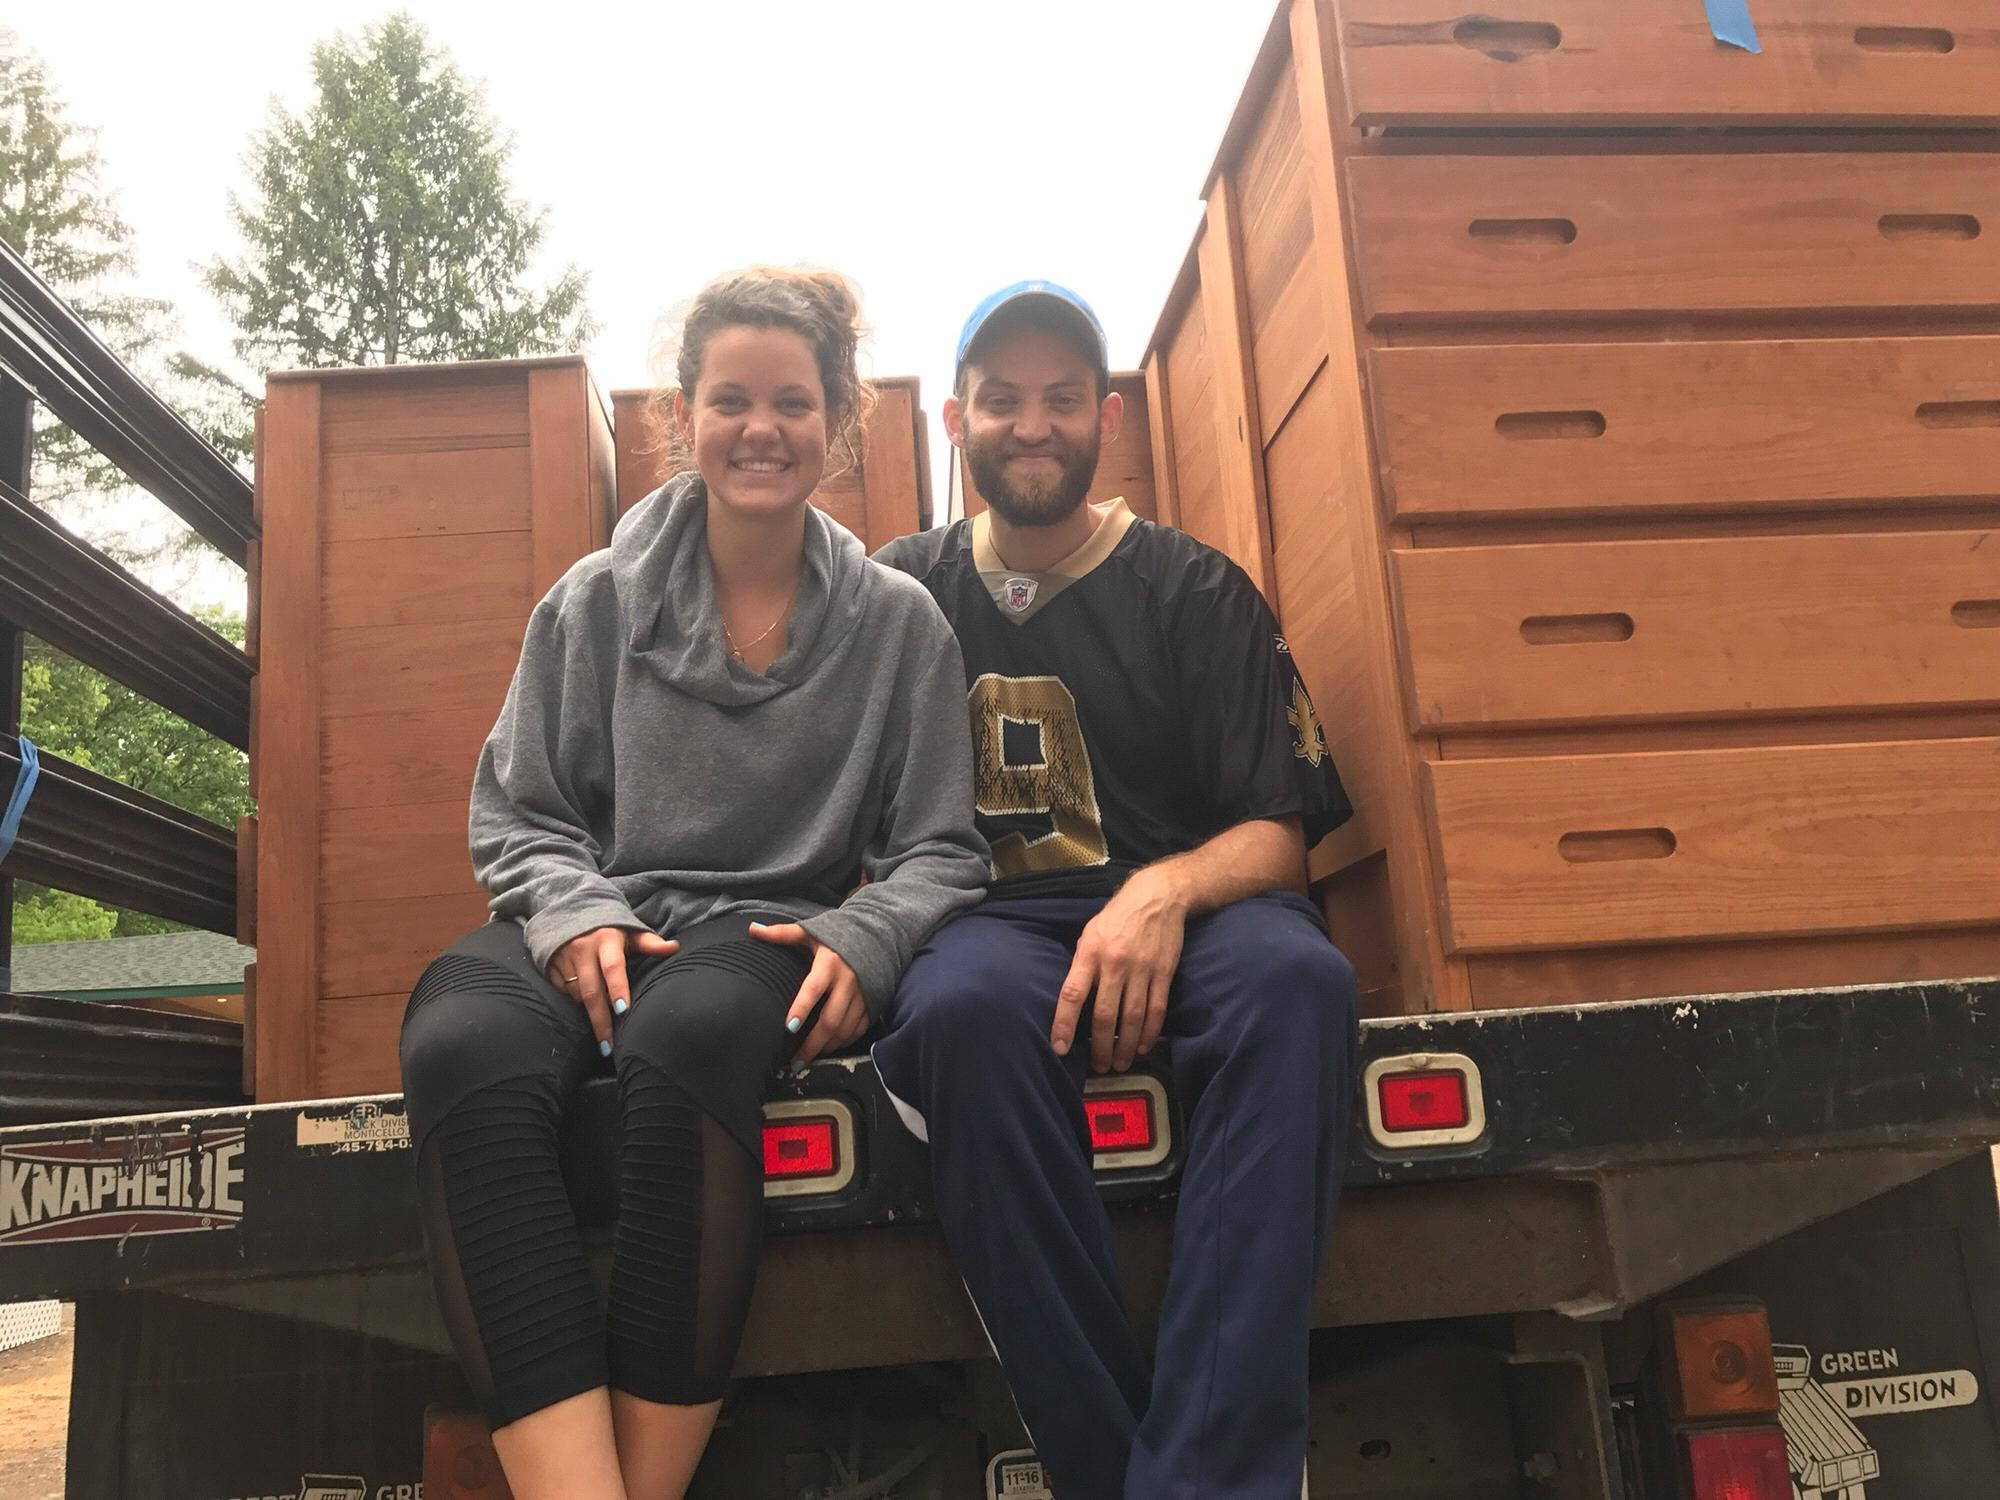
{"x": 694, "y": 1053}
{"x": 506, "y": 1260}
{"x": 690, "y": 1226}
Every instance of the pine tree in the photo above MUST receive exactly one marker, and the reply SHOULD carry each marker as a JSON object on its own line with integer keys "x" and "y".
{"x": 57, "y": 214}
{"x": 380, "y": 227}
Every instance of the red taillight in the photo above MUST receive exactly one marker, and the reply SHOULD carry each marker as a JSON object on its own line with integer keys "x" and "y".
{"x": 1420, "y": 1100}
{"x": 1738, "y": 1463}
{"x": 1130, "y": 1126}
{"x": 1120, "y": 1122}
{"x": 801, "y": 1148}
{"x": 1424, "y": 1101}
{"x": 811, "y": 1148}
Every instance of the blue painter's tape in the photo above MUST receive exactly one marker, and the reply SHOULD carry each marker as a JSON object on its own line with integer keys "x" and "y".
{"x": 24, "y": 787}
{"x": 1729, "y": 22}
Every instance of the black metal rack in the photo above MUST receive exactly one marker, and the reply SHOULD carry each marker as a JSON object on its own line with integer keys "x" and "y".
{"x": 82, "y": 832}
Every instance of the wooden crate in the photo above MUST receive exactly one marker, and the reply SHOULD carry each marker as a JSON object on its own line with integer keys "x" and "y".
{"x": 1628, "y": 497}
{"x": 1125, "y": 469}
{"x": 412, "y": 516}
{"x": 886, "y": 496}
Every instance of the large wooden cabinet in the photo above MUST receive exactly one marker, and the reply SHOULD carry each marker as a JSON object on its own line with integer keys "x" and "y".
{"x": 412, "y": 516}
{"x": 1612, "y": 417}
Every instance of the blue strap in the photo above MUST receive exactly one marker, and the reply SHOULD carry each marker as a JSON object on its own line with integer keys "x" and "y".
{"x": 24, "y": 786}
{"x": 1729, "y": 22}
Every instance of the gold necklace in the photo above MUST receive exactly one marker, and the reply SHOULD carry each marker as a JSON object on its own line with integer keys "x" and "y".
{"x": 729, "y": 640}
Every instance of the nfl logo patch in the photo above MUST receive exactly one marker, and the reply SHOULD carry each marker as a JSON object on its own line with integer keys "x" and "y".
{"x": 1020, "y": 593}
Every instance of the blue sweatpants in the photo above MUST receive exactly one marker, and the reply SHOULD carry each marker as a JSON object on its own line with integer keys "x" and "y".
{"x": 1261, "y": 1039}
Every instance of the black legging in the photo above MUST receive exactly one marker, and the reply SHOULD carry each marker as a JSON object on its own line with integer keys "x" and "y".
{"x": 492, "y": 1053}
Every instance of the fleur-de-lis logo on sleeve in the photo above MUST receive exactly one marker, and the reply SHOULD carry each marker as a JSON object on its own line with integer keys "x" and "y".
{"x": 1310, "y": 744}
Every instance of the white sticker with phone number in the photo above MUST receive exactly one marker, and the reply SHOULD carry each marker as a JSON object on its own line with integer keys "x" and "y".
{"x": 361, "y": 1127}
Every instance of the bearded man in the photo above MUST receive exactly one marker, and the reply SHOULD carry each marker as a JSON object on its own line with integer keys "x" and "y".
{"x": 1149, "y": 773}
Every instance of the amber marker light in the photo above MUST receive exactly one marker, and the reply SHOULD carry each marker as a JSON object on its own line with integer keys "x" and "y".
{"x": 1718, "y": 1362}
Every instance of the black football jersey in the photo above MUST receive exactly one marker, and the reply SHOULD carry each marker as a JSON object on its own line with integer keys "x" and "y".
{"x": 1127, "y": 705}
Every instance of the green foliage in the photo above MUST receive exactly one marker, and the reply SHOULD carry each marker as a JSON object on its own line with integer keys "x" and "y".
{"x": 45, "y": 916}
{"x": 83, "y": 716}
{"x": 380, "y": 227}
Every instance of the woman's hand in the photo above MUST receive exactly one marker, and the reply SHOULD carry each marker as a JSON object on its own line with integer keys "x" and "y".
{"x": 591, "y": 970}
{"x": 845, "y": 1014}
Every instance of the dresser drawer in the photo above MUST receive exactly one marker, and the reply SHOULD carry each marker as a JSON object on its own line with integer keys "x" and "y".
{"x": 1573, "y": 633}
{"x": 1511, "y": 430}
{"x": 1507, "y": 237}
{"x": 1575, "y": 851}
{"x": 1576, "y": 62}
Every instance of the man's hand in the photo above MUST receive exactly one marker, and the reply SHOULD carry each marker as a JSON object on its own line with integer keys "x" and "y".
{"x": 591, "y": 970}
{"x": 1131, "y": 948}
{"x": 1128, "y": 952}
{"x": 845, "y": 1014}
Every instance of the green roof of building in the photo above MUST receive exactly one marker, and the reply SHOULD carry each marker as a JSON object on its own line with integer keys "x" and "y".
{"x": 168, "y": 963}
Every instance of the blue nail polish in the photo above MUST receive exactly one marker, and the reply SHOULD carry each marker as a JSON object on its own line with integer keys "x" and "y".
{"x": 604, "y": 1048}
{"x": 794, "y": 1024}
{"x": 620, "y": 1006}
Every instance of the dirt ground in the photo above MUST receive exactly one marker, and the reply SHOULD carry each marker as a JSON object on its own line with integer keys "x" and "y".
{"x": 34, "y": 1415}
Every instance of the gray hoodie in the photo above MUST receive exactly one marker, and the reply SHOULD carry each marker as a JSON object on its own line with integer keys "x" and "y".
{"x": 639, "y": 776}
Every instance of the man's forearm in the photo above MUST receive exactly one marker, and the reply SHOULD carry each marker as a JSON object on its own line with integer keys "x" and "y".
{"x": 1264, "y": 854}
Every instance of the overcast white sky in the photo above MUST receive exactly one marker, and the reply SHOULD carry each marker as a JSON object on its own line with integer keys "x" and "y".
{"x": 932, "y": 151}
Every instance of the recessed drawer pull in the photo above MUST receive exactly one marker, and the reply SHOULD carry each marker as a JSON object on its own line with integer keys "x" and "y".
{"x": 1977, "y": 614}
{"x": 1959, "y": 414}
{"x": 1532, "y": 426}
{"x": 1604, "y": 845}
{"x": 1530, "y": 231}
{"x": 1904, "y": 39}
{"x": 1929, "y": 227}
{"x": 1506, "y": 41}
{"x": 1569, "y": 630}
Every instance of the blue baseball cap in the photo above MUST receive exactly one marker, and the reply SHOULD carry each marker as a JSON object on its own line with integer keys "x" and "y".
{"x": 1078, "y": 312}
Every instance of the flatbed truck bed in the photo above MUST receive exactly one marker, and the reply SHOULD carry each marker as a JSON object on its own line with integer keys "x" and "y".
{"x": 1623, "y": 1151}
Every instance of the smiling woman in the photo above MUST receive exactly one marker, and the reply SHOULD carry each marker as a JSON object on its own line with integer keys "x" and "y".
{"x": 727, "y": 799}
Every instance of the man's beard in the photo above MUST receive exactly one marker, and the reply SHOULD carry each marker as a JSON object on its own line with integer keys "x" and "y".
{"x": 1032, "y": 502}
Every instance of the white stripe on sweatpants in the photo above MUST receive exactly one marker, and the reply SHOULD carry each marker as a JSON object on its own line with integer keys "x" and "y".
{"x": 912, "y": 1121}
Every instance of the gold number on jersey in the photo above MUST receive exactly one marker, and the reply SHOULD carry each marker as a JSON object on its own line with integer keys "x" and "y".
{"x": 1058, "y": 786}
